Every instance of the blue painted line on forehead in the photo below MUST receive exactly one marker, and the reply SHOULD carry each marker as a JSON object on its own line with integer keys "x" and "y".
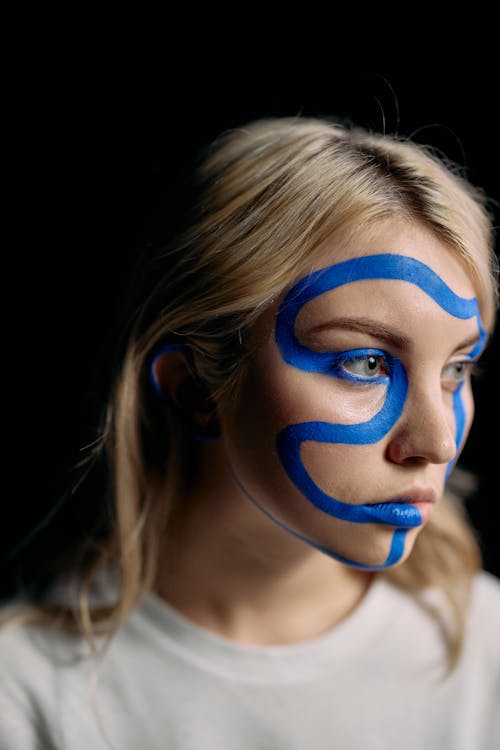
{"x": 387, "y": 266}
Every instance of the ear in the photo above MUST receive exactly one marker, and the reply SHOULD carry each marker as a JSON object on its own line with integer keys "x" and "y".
{"x": 173, "y": 378}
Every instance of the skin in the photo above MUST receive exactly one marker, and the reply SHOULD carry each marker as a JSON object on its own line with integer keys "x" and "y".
{"x": 258, "y": 583}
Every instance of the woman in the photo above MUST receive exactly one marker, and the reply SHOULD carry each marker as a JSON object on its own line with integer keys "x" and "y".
{"x": 283, "y": 568}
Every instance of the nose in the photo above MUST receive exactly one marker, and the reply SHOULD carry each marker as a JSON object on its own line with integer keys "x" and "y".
{"x": 425, "y": 431}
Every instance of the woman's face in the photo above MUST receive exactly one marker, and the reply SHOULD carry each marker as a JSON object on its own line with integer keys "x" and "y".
{"x": 358, "y": 401}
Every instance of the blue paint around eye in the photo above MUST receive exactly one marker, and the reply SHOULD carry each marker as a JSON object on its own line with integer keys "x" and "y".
{"x": 340, "y": 360}
{"x": 289, "y": 440}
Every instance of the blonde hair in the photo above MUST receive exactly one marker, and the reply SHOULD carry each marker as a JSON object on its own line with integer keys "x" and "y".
{"x": 269, "y": 194}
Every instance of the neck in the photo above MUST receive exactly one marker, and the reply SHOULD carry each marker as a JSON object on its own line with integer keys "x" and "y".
{"x": 229, "y": 568}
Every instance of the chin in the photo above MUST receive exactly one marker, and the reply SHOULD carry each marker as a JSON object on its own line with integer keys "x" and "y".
{"x": 388, "y": 549}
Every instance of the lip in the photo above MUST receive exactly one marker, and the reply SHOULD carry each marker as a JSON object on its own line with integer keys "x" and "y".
{"x": 412, "y": 497}
{"x": 411, "y": 508}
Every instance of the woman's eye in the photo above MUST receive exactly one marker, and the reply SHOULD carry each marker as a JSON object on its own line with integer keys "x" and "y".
{"x": 456, "y": 372}
{"x": 366, "y": 366}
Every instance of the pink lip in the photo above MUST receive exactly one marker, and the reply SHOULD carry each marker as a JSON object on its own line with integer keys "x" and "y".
{"x": 414, "y": 497}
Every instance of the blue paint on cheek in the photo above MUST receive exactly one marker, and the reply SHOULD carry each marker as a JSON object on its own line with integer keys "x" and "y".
{"x": 397, "y": 542}
{"x": 460, "y": 422}
{"x": 290, "y": 439}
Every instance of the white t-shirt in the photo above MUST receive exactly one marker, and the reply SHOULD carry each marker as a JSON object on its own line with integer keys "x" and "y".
{"x": 374, "y": 682}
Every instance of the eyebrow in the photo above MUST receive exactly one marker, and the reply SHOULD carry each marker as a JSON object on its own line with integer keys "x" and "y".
{"x": 376, "y": 329}
{"x": 365, "y": 325}
{"x": 468, "y": 342}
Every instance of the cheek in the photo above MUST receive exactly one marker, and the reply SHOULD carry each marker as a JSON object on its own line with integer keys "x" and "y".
{"x": 274, "y": 396}
{"x": 349, "y": 473}
{"x": 278, "y": 397}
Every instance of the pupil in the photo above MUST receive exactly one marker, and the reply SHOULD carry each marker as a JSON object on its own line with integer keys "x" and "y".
{"x": 372, "y": 363}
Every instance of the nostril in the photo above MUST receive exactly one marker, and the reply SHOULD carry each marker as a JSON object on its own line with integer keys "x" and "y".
{"x": 426, "y": 442}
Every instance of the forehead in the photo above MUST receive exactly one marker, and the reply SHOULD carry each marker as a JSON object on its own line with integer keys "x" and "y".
{"x": 400, "y": 275}
{"x": 400, "y": 238}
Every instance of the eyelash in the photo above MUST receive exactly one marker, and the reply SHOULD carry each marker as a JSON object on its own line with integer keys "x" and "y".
{"x": 471, "y": 368}
{"x": 362, "y": 355}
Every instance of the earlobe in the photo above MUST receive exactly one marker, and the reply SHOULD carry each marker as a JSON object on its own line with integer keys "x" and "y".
{"x": 173, "y": 378}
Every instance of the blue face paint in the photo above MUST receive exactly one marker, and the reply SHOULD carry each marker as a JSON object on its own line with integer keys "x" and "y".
{"x": 401, "y": 515}
{"x": 290, "y": 439}
{"x": 395, "y": 553}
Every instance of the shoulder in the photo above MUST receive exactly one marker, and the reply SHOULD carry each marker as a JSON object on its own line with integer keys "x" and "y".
{"x": 46, "y": 677}
{"x": 483, "y": 621}
{"x": 27, "y": 694}
{"x": 30, "y": 657}
{"x": 427, "y": 613}
{"x": 486, "y": 591}
{"x": 22, "y": 644}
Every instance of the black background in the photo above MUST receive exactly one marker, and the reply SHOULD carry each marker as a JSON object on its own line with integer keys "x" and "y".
{"x": 100, "y": 121}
